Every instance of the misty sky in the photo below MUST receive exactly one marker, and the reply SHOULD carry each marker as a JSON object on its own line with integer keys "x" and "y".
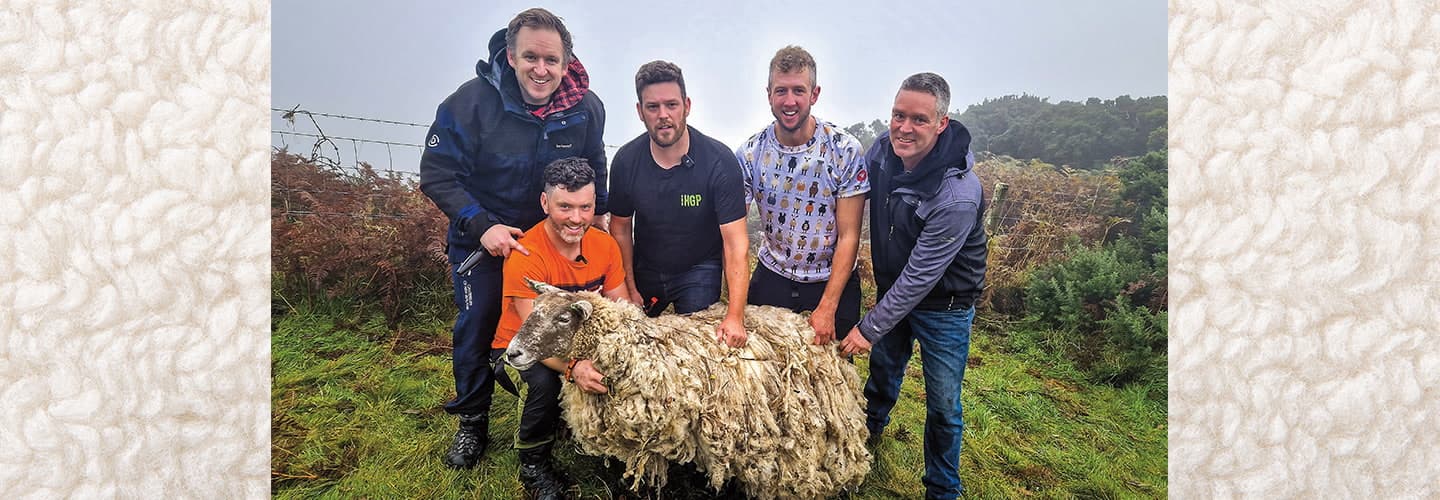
{"x": 396, "y": 61}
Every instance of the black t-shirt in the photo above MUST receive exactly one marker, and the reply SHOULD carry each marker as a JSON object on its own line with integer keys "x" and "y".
{"x": 678, "y": 211}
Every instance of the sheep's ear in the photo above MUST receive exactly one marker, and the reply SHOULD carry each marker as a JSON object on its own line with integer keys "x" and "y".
{"x": 582, "y": 309}
{"x": 541, "y": 287}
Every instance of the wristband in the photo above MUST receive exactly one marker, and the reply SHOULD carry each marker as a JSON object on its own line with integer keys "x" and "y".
{"x": 570, "y": 370}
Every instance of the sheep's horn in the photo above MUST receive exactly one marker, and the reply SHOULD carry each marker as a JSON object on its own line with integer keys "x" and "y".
{"x": 583, "y": 308}
{"x": 541, "y": 287}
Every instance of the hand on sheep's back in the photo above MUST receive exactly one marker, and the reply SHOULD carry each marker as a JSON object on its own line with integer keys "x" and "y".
{"x": 781, "y": 415}
{"x": 588, "y": 378}
{"x": 823, "y": 322}
{"x": 731, "y": 332}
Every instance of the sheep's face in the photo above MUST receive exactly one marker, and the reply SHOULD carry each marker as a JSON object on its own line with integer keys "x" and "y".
{"x": 549, "y": 330}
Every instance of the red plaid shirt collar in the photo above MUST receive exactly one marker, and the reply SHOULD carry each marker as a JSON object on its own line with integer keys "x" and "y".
{"x": 572, "y": 89}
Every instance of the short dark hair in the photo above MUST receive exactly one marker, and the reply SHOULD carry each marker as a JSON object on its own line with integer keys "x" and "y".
{"x": 571, "y": 173}
{"x": 538, "y": 18}
{"x": 792, "y": 59}
{"x": 655, "y": 72}
{"x": 933, "y": 84}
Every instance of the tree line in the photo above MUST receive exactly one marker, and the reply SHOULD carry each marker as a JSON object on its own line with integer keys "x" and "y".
{"x": 1082, "y": 135}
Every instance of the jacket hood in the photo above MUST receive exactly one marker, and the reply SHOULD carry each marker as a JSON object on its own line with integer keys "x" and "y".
{"x": 949, "y": 157}
{"x": 573, "y": 85}
{"x": 495, "y": 67}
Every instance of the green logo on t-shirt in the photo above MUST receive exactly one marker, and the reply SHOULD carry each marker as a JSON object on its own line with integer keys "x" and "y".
{"x": 689, "y": 200}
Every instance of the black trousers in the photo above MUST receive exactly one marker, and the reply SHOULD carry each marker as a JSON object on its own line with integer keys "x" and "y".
{"x": 541, "y": 416}
{"x": 770, "y": 289}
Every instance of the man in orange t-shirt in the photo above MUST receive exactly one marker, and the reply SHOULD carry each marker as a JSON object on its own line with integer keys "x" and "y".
{"x": 567, "y": 253}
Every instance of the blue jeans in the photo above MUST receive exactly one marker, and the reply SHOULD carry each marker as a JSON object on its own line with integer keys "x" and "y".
{"x": 691, "y": 290}
{"x": 477, "y": 295}
{"x": 944, "y": 338}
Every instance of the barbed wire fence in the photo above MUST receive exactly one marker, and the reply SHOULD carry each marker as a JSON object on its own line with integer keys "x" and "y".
{"x": 326, "y": 152}
{"x": 325, "y": 144}
{"x": 322, "y": 140}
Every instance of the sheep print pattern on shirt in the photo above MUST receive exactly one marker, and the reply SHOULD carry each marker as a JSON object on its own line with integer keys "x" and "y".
{"x": 795, "y": 189}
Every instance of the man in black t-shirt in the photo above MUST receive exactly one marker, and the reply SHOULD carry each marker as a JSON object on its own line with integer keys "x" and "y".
{"x": 684, "y": 193}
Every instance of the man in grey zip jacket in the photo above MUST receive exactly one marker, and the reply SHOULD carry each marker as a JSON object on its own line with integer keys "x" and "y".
{"x": 928, "y": 249}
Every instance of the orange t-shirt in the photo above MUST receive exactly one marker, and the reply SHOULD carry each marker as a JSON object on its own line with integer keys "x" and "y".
{"x": 601, "y": 270}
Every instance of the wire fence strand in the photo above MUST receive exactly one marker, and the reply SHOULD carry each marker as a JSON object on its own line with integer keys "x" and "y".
{"x": 353, "y": 139}
{"x": 289, "y": 114}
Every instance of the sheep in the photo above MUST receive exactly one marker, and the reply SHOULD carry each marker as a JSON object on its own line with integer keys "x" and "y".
{"x": 781, "y": 415}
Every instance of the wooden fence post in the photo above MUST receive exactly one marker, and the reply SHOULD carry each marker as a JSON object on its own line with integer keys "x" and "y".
{"x": 1000, "y": 190}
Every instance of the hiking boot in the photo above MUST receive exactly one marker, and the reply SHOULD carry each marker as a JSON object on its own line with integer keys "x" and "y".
{"x": 470, "y": 441}
{"x": 539, "y": 477}
{"x": 874, "y": 439}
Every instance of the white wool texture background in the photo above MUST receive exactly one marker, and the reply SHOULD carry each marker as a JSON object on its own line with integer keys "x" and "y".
{"x": 1304, "y": 219}
{"x": 134, "y": 261}
{"x": 1305, "y": 249}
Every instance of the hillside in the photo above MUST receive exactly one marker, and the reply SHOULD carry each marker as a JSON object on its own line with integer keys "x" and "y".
{"x": 1083, "y": 135}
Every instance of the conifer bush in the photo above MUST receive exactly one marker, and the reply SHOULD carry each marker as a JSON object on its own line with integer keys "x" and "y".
{"x": 1103, "y": 308}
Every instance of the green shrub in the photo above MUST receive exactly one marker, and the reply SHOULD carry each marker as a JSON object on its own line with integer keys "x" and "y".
{"x": 1072, "y": 294}
{"x": 1103, "y": 309}
{"x": 1134, "y": 344}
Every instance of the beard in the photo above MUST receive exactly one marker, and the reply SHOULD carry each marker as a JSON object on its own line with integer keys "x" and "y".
{"x": 566, "y": 236}
{"x": 801, "y": 120}
{"x": 674, "y": 133}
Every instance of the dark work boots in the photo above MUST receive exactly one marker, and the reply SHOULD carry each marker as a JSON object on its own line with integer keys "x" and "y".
{"x": 470, "y": 441}
{"x": 539, "y": 477}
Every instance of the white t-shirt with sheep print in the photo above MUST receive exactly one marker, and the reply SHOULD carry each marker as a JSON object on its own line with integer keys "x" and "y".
{"x": 795, "y": 189}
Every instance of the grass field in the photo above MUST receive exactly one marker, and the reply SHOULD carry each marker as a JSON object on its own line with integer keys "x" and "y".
{"x": 356, "y": 412}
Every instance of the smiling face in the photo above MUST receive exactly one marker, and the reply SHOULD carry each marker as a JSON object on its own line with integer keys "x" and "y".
{"x": 914, "y": 125}
{"x": 539, "y": 62}
{"x": 568, "y": 213}
{"x": 791, "y": 96}
{"x": 663, "y": 110}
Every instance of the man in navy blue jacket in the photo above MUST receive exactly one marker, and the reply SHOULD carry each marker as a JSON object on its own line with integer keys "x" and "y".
{"x": 928, "y": 247}
{"x": 483, "y": 163}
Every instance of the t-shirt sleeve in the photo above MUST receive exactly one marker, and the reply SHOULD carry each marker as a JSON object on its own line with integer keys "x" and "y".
{"x": 746, "y": 156}
{"x": 518, "y": 267}
{"x": 853, "y": 174}
{"x": 615, "y": 273}
{"x": 621, "y": 205}
{"x": 728, "y": 190}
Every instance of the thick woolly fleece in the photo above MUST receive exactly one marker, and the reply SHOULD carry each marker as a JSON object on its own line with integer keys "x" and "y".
{"x": 134, "y": 250}
{"x": 1305, "y": 270}
{"x": 781, "y": 416}
{"x": 1304, "y": 265}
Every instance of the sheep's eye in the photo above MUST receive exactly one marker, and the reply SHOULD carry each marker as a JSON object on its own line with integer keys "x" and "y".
{"x": 563, "y": 319}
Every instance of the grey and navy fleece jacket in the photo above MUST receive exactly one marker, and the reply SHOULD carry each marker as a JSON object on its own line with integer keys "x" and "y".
{"x": 927, "y": 240}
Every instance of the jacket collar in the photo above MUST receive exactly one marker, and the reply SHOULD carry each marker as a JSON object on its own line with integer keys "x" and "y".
{"x": 950, "y": 157}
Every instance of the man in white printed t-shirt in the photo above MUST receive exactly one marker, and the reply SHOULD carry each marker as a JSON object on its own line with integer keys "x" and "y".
{"x": 808, "y": 179}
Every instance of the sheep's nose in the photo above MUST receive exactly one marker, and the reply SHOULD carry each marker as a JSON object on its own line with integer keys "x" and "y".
{"x": 512, "y": 354}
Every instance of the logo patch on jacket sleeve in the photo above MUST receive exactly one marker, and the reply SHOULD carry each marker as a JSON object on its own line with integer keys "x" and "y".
{"x": 434, "y": 140}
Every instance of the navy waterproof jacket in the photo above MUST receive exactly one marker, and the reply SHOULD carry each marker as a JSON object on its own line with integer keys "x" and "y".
{"x": 928, "y": 244}
{"x": 485, "y": 155}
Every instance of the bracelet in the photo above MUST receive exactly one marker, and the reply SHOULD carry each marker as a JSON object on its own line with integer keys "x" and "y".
{"x": 570, "y": 369}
